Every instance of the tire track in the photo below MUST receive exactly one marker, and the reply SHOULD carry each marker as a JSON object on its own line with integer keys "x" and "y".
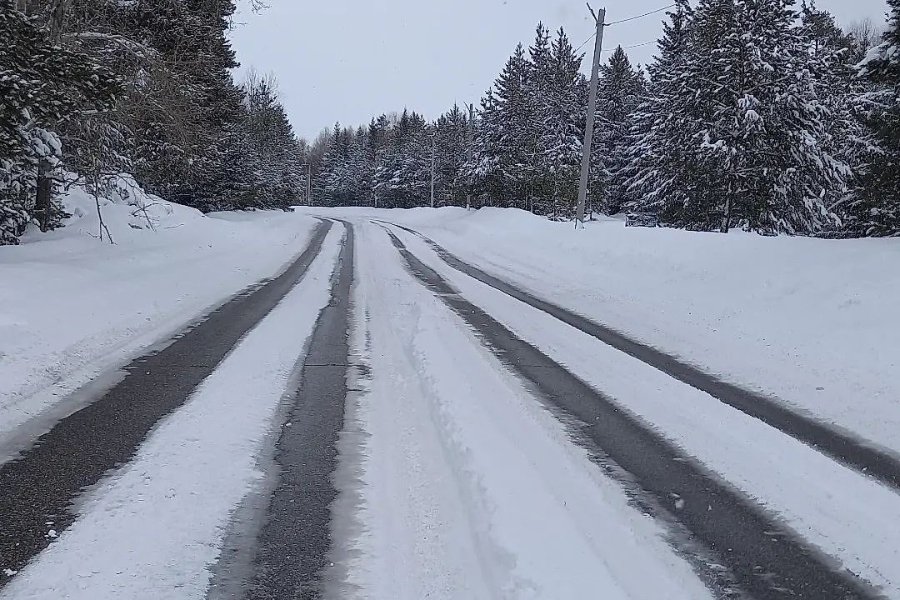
{"x": 842, "y": 446}
{"x": 731, "y": 527}
{"x": 37, "y": 488}
{"x": 292, "y": 548}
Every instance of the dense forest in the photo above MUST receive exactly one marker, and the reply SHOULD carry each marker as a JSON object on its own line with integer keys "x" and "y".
{"x": 93, "y": 88}
{"x": 754, "y": 114}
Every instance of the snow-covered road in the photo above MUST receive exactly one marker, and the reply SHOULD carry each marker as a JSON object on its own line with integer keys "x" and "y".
{"x": 470, "y": 488}
{"x": 466, "y": 468}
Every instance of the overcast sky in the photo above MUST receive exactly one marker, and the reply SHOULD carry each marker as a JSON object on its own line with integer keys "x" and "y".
{"x": 348, "y": 60}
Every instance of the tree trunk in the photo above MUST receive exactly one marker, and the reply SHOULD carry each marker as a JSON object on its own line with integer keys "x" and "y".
{"x": 42, "y": 206}
{"x": 58, "y": 19}
{"x": 726, "y": 215}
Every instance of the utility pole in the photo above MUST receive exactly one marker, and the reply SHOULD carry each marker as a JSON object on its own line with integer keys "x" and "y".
{"x": 470, "y": 142}
{"x": 433, "y": 144}
{"x": 600, "y": 18}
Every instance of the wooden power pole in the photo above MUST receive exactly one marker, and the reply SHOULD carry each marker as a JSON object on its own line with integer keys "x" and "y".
{"x": 599, "y": 17}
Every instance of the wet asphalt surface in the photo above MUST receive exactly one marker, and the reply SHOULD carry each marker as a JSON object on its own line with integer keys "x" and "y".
{"x": 38, "y": 487}
{"x": 765, "y": 559}
{"x": 293, "y": 545}
{"x": 842, "y": 446}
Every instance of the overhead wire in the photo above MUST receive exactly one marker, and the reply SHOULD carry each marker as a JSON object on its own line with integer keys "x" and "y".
{"x": 635, "y": 17}
{"x": 648, "y": 42}
{"x": 646, "y": 14}
{"x": 578, "y": 49}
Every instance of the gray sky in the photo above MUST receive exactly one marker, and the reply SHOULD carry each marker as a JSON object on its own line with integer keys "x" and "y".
{"x": 348, "y": 60}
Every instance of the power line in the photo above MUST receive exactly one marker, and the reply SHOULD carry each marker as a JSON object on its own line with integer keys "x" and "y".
{"x": 648, "y": 42}
{"x": 652, "y": 12}
{"x": 647, "y": 14}
{"x": 578, "y": 49}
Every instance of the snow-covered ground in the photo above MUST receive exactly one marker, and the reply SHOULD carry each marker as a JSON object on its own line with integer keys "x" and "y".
{"x": 72, "y": 306}
{"x": 812, "y": 322}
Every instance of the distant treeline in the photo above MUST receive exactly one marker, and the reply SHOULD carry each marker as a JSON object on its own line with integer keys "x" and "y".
{"x": 753, "y": 114}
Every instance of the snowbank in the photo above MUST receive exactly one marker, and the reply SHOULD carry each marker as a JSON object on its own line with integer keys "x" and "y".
{"x": 72, "y": 306}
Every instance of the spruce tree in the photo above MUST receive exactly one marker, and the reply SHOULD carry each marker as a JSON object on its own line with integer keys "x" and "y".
{"x": 619, "y": 93}
{"x": 562, "y": 123}
{"x": 875, "y": 209}
{"x": 483, "y": 173}
{"x": 514, "y": 121}
{"x": 655, "y": 173}
{"x": 451, "y": 155}
{"x": 41, "y": 85}
{"x": 746, "y": 131}
{"x": 837, "y": 86}
{"x": 191, "y": 38}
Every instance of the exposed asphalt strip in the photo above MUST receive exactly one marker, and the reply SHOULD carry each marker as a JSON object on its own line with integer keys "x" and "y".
{"x": 738, "y": 532}
{"x": 842, "y": 446}
{"x": 293, "y": 544}
{"x": 37, "y": 488}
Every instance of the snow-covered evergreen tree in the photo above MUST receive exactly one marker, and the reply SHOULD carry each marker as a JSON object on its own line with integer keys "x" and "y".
{"x": 513, "y": 121}
{"x": 450, "y": 130}
{"x": 655, "y": 173}
{"x": 875, "y": 209}
{"x": 562, "y": 120}
{"x": 747, "y": 128}
{"x": 838, "y": 88}
{"x": 41, "y": 84}
{"x": 620, "y": 91}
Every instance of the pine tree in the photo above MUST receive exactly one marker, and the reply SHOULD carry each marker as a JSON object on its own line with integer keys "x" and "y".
{"x": 539, "y": 76}
{"x": 746, "y": 131}
{"x": 333, "y": 187}
{"x": 190, "y": 37}
{"x": 562, "y": 119}
{"x": 41, "y": 84}
{"x": 655, "y": 174}
{"x": 483, "y": 172}
{"x": 875, "y": 209}
{"x": 451, "y": 156}
{"x": 619, "y": 94}
{"x": 513, "y": 119}
{"x": 838, "y": 88}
